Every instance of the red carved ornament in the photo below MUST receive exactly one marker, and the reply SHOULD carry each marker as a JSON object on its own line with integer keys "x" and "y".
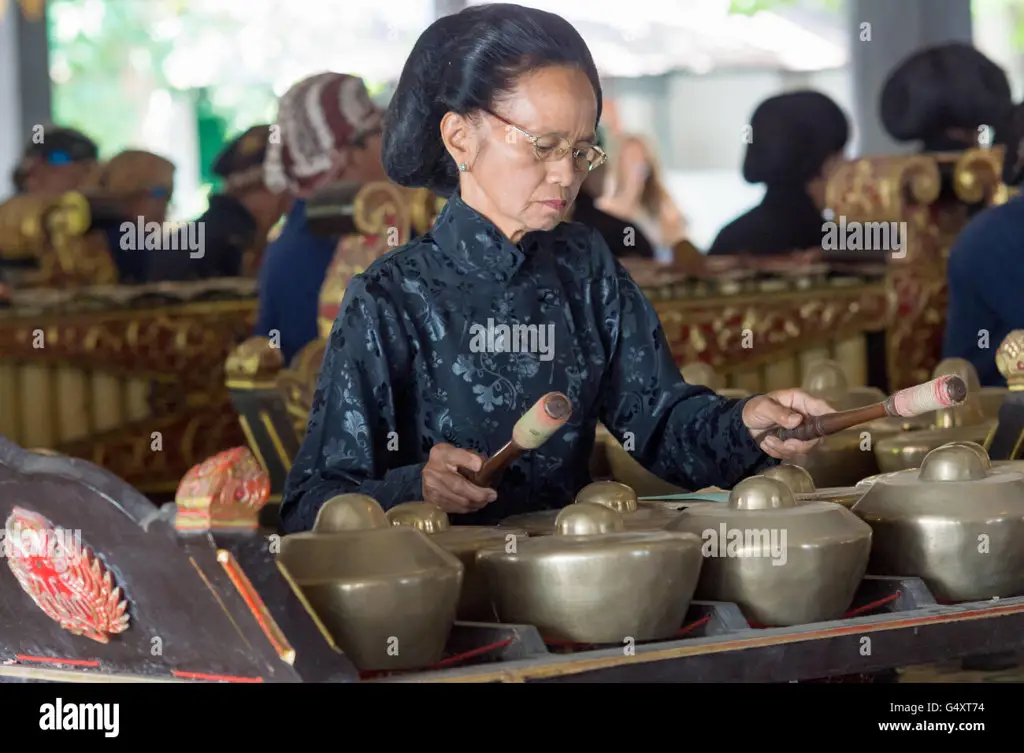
{"x": 63, "y": 577}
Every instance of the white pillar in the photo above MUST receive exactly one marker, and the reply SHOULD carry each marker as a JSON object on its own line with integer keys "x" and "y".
{"x": 11, "y": 134}
{"x": 24, "y": 86}
{"x": 448, "y": 7}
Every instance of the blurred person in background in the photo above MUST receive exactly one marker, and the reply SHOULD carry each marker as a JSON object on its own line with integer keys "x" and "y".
{"x": 797, "y": 141}
{"x": 141, "y": 185}
{"x": 329, "y": 131}
{"x": 55, "y": 160}
{"x": 237, "y": 221}
{"x": 941, "y": 96}
{"x": 62, "y": 160}
{"x": 638, "y": 195}
{"x": 986, "y": 268}
{"x": 625, "y": 240}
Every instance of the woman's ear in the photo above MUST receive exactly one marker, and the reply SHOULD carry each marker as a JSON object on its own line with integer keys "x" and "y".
{"x": 459, "y": 138}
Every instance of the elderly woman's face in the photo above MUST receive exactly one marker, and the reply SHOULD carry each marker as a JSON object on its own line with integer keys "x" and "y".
{"x": 527, "y": 185}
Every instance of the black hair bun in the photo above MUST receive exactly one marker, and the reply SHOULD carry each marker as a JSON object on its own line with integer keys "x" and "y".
{"x": 950, "y": 86}
{"x": 793, "y": 134}
{"x": 462, "y": 63}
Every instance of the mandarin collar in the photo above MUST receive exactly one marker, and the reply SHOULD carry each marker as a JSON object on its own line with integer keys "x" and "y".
{"x": 476, "y": 245}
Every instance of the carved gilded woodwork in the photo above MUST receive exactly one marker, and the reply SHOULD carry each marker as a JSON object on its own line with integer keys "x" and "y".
{"x": 297, "y": 384}
{"x": 56, "y": 233}
{"x": 978, "y": 176}
{"x": 251, "y": 373}
{"x": 273, "y": 403}
{"x": 881, "y": 189}
{"x": 909, "y": 189}
{"x": 254, "y": 363}
{"x": 748, "y": 332}
{"x": 1006, "y": 439}
{"x": 77, "y": 254}
{"x": 1010, "y": 360}
{"x": 224, "y": 492}
{"x": 382, "y": 216}
{"x": 22, "y": 225}
{"x": 424, "y": 206}
{"x": 131, "y": 378}
{"x": 63, "y": 577}
{"x": 167, "y": 605}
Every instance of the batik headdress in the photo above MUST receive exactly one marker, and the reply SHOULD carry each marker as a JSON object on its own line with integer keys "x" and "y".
{"x": 319, "y": 118}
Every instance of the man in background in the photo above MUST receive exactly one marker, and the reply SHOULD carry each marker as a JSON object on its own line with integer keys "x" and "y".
{"x": 54, "y": 162}
{"x": 237, "y": 221}
{"x": 141, "y": 185}
{"x": 60, "y": 160}
{"x": 330, "y": 131}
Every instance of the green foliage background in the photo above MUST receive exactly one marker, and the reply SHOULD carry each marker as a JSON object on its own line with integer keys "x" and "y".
{"x": 101, "y": 70}
{"x": 750, "y": 7}
{"x": 92, "y": 97}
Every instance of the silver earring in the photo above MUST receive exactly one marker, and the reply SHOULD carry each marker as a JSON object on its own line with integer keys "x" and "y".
{"x": 463, "y": 167}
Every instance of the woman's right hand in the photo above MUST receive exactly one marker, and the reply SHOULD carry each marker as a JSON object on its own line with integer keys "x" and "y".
{"x": 445, "y": 487}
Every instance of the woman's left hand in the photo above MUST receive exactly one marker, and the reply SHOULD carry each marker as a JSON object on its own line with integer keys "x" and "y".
{"x": 786, "y": 408}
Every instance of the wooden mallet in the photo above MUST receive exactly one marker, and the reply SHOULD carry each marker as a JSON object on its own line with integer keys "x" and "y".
{"x": 536, "y": 426}
{"x": 944, "y": 392}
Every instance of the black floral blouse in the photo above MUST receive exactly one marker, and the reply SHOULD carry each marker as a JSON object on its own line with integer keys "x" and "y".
{"x": 418, "y": 356}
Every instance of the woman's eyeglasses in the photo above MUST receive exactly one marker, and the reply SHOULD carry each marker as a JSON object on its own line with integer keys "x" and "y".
{"x": 553, "y": 148}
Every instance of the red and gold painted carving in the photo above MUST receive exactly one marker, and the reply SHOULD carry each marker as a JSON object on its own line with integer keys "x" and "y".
{"x": 225, "y": 491}
{"x": 381, "y": 214}
{"x": 63, "y": 577}
{"x": 713, "y": 330}
{"x": 173, "y": 351}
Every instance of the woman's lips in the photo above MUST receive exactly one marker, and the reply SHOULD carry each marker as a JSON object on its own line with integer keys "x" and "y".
{"x": 556, "y": 204}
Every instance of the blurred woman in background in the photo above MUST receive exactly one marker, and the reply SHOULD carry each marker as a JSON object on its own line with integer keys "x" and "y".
{"x": 625, "y": 240}
{"x": 637, "y": 195}
{"x": 796, "y": 141}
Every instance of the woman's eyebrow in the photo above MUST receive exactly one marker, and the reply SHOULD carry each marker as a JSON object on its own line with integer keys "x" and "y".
{"x": 582, "y": 140}
{"x": 589, "y": 139}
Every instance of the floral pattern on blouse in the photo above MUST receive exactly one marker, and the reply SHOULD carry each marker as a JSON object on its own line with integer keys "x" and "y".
{"x": 454, "y": 336}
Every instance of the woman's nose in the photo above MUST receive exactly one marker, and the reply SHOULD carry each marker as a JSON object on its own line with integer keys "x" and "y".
{"x": 562, "y": 171}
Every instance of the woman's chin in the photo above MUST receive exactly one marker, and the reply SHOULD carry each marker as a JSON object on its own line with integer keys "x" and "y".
{"x": 547, "y": 223}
